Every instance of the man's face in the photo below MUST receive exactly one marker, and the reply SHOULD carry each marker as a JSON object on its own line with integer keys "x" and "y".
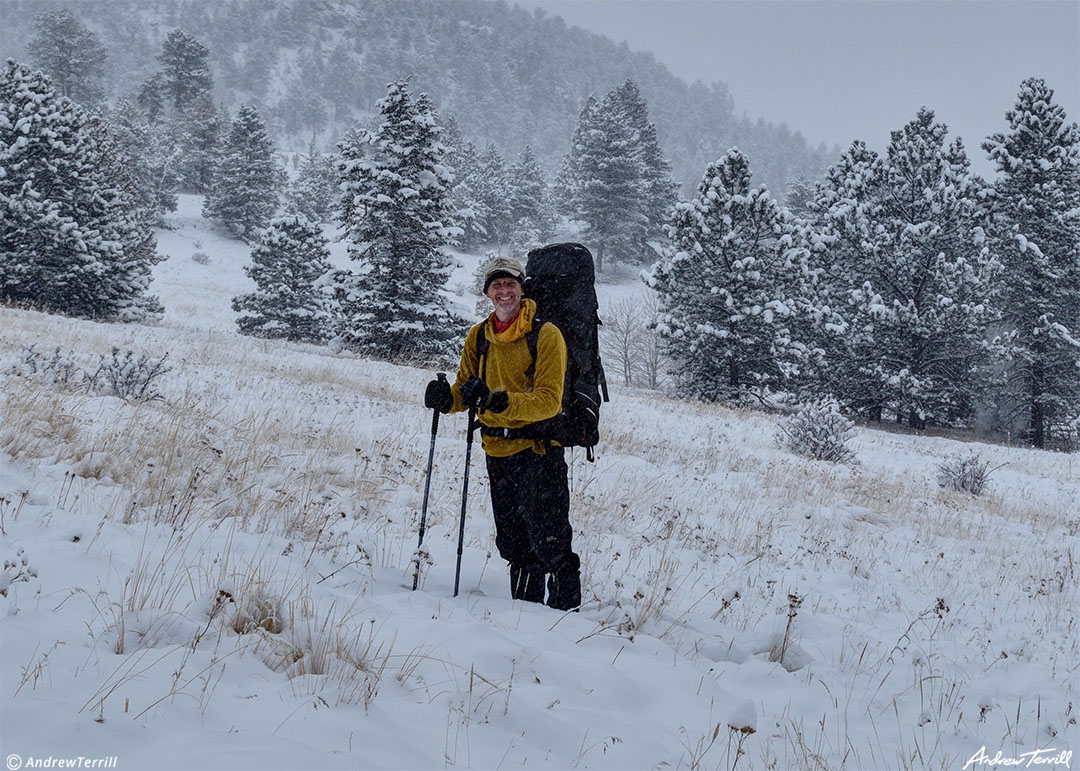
{"x": 505, "y": 294}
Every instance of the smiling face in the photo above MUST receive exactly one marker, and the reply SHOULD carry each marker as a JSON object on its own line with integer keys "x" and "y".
{"x": 505, "y": 294}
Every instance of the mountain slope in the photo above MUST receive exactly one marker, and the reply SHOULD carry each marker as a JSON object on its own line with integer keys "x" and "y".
{"x": 315, "y": 67}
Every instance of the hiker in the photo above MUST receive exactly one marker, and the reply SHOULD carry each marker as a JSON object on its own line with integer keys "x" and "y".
{"x": 530, "y": 496}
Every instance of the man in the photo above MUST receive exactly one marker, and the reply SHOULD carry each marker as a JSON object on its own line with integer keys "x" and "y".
{"x": 511, "y": 392}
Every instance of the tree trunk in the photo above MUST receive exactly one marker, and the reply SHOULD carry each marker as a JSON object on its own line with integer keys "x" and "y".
{"x": 1037, "y": 426}
{"x": 600, "y": 258}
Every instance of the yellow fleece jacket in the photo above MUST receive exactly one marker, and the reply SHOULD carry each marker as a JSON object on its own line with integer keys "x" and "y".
{"x": 507, "y": 359}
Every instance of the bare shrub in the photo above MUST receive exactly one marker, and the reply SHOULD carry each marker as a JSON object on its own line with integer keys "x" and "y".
{"x": 818, "y": 431}
{"x": 965, "y": 473}
{"x": 129, "y": 376}
{"x": 202, "y": 258}
{"x": 58, "y": 369}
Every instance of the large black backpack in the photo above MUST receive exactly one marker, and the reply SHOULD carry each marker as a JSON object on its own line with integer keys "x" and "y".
{"x": 561, "y": 281}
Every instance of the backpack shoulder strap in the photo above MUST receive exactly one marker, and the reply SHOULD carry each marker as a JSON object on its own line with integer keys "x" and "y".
{"x": 482, "y": 346}
{"x": 531, "y": 338}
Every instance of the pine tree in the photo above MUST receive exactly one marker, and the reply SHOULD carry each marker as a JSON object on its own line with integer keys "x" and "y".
{"x": 126, "y": 221}
{"x": 915, "y": 276}
{"x": 286, "y": 265}
{"x": 198, "y": 133}
{"x": 725, "y": 285}
{"x": 1036, "y": 207}
{"x": 396, "y": 183}
{"x": 463, "y": 197}
{"x": 70, "y": 54}
{"x": 315, "y": 191}
{"x": 841, "y": 338}
{"x": 801, "y": 197}
{"x": 601, "y": 183}
{"x": 185, "y": 73}
{"x": 150, "y": 157}
{"x": 491, "y": 188}
{"x": 531, "y": 212}
{"x": 615, "y": 178}
{"x": 74, "y": 237}
{"x": 249, "y": 180}
{"x": 151, "y": 98}
{"x": 658, "y": 192}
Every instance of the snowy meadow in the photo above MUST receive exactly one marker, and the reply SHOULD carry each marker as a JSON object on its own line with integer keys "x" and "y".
{"x": 220, "y": 577}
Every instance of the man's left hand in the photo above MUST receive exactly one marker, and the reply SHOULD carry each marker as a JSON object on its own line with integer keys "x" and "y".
{"x": 474, "y": 393}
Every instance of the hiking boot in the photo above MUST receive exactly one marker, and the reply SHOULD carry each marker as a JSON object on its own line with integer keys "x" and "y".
{"x": 527, "y": 583}
{"x": 564, "y": 585}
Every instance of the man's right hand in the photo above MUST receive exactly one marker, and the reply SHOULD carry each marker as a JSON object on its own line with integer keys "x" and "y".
{"x": 437, "y": 396}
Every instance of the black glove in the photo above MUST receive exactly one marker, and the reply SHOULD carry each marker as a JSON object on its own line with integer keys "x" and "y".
{"x": 437, "y": 396}
{"x": 497, "y": 402}
{"x": 474, "y": 393}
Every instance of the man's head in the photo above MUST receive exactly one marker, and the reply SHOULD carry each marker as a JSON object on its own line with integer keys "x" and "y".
{"x": 502, "y": 267}
{"x": 502, "y": 285}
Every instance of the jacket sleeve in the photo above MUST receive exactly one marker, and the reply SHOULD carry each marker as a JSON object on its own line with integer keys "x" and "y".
{"x": 468, "y": 368}
{"x": 545, "y": 400}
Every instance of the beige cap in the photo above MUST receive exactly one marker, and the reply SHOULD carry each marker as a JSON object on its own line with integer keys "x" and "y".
{"x": 502, "y": 267}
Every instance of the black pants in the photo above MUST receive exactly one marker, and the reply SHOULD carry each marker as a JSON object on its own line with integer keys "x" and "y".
{"x": 531, "y": 502}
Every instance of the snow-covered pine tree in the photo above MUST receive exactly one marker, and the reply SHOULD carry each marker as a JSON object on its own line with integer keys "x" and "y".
{"x": 185, "y": 72}
{"x": 1036, "y": 205}
{"x": 70, "y": 54}
{"x": 74, "y": 238}
{"x": 314, "y": 193}
{"x": 198, "y": 132}
{"x": 461, "y": 159}
{"x": 396, "y": 186}
{"x": 286, "y": 265}
{"x": 841, "y": 336}
{"x": 249, "y": 181}
{"x": 151, "y": 158}
{"x": 531, "y": 211}
{"x": 601, "y": 182}
{"x": 127, "y": 220}
{"x": 658, "y": 192}
{"x": 801, "y": 196}
{"x": 491, "y": 187}
{"x": 151, "y": 98}
{"x": 725, "y": 284}
{"x": 916, "y": 275}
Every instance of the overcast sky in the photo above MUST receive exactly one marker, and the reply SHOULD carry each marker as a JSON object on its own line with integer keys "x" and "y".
{"x": 838, "y": 70}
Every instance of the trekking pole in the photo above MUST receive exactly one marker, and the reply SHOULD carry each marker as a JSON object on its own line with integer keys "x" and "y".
{"x": 464, "y": 496}
{"x": 427, "y": 486}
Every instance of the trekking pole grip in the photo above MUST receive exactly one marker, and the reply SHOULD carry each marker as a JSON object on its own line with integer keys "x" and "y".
{"x": 435, "y": 413}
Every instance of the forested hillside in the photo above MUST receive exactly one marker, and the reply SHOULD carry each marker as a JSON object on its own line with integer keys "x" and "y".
{"x": 315, "y": 68}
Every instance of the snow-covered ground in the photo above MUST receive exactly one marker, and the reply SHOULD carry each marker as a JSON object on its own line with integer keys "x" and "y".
{"x": 221, "y": 578}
